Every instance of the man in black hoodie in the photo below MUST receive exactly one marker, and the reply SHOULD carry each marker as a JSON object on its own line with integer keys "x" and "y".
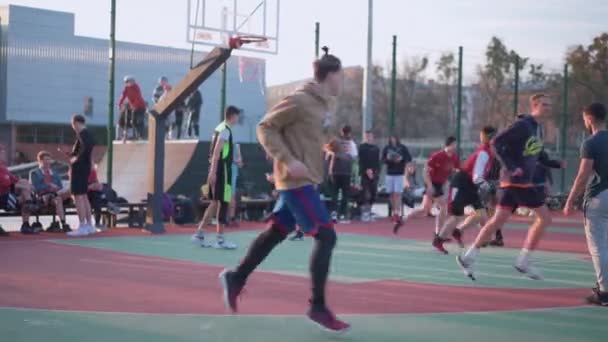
{"x": 518, "y": 149}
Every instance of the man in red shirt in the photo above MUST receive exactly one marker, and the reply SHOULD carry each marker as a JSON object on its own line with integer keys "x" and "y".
{"x": 467, "y": 188}
{"x": 15, "y": 194}
{"x": 137, "y": 104}
{"x": 439, "y": 167}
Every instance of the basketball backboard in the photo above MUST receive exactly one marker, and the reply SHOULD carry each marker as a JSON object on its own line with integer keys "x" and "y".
{"x": 213, "y": 22}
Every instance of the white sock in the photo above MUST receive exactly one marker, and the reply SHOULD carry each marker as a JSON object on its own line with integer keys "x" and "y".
{"x": 524, "y": 256}
{"x": 220, "y": 238}
{"x": 471, "y": 253}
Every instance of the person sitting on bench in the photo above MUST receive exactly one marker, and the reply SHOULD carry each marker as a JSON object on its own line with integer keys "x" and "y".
{"x": 48, "y": 186}
{"x": 16, "y": 195}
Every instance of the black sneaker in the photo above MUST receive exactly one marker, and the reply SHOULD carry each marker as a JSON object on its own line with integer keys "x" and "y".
{"x": 232, "y": 290}
{"x": 457, "y": 235}
{"x": 497, "y": 243}
{"x": 54, "y": 228}
{"x": 26, "y": 229}
{"x": 65, "y": 228}
{"x": 598, "y": 297}
{"x": 3, "y": 232}
{"x": 298, "y": 236}
{"x": 37, "y": 227}
{"x": 398, "y": 223}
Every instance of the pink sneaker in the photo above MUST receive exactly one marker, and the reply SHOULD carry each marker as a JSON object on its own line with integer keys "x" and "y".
{"x": 327, "y": 320}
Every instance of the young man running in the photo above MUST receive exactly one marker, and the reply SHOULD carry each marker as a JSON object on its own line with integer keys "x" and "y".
{"x": 465, "y": 190}
{"x": 594, "y": 166}
{"x": 219, "y": 179}
{"x": 438, "y": 170}
{"x": 518, "y": 149}
{"x": 292, "y": 133}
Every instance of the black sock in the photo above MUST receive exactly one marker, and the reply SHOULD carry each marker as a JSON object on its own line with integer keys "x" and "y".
{"x": 258, "y": 251}
{"x": 325, "y": 241}
{"x": 499, "y": 234}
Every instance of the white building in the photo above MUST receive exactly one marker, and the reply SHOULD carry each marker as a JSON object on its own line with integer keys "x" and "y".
{"x": 47, "y": 73}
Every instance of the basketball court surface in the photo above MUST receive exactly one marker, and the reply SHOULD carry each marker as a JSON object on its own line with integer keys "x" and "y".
{"x": 126, "y": 285}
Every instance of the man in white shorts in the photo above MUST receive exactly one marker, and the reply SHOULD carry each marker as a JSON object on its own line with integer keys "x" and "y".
{"x": 396, "y": 157}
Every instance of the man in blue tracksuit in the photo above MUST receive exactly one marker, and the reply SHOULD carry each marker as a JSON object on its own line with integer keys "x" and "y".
{"x": 518, "y": 148}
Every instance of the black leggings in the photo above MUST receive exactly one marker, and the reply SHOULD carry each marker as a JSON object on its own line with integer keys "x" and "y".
{"x": 193, "y": 123}
{"x": 340, "y": 183}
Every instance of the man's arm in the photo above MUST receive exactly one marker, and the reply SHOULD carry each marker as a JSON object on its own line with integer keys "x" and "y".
{"x": 504, "y": 144}
{"x": 123, "y": 96}
{"x": 37, "y": 180}
{"x": 544, "y": 160}
{"x": 479, "y": 170}
{"x": 582, "y": 178}
{"x": 215, "y": 157}
{"x": 270, "y": 129}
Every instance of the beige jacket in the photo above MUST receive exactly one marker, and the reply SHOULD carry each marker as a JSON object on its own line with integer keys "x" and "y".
{"x": 295, "y": 129}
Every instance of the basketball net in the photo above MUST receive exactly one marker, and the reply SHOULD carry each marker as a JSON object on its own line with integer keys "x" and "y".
{"x": 250, "y": 71}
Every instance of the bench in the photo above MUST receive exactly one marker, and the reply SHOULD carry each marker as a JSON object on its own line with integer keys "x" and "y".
{"x": 136, "y": 214}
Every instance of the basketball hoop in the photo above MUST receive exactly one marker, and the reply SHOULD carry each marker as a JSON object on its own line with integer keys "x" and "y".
{"x": 237, "y": 41}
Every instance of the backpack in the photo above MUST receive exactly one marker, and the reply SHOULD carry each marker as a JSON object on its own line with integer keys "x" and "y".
{"x": 168, "y": 208}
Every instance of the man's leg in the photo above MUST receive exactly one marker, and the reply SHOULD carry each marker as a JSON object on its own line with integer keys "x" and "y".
{"x": 88, "y": 212}
{"x": 335, "y": 191}
{"x": 596, "y": 232}
{"x": 344, "y": 187}
{"x": 282, "y": 223}
{"x": 80, "y": 210}
{"x": 466, "y": 260}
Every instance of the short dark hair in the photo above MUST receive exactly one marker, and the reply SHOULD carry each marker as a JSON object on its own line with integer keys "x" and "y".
{"x": 449, "y": 141}
{"x": 231, "y": 111}
{"x": 326, "y": 64}
{"x": 489, "y": 131}
{"x": 346, "y": 130}
{"x": 596, "y": 110}
{"x": 79, "y": 118}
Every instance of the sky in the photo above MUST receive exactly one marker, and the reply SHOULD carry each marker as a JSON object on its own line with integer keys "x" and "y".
{"x": 542, "y": 30}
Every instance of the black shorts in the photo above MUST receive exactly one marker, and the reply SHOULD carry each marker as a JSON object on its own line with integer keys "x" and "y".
{"x": 438, "y": 189}
{"x": 79, "y": 179}
{"x": 463, "y": 193}
{"x": 514, "y": 197}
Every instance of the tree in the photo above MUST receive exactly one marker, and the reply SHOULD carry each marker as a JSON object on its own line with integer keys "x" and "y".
{"x": 495, "y": 80}
{"x": 447, "y": 75}
{"x": 590, "y": 68}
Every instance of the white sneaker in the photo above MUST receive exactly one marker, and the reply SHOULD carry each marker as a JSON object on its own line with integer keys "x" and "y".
{"x": 81, "y": 231}
{"x": 200, "y": 240}
{"x": 529, "y": 270}
{"x": 366, "y": 218}
{"x": 223, "y": 244}
{"x": 90, "y": 229}
{"x": 101, "y": 228}
{"x": 344, "y": 221}
{"x": 466, "y": 266}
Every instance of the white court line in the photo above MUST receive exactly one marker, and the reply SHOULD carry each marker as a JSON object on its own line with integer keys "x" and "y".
{"x": 454, "y": 271}
{"x": 227, "y": 315}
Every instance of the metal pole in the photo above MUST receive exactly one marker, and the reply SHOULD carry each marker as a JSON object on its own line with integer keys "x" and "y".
{"x": 516, "y": 90}
{"x": 366, "y": 102}
{"x": 459, "y": 104}
{"x": 317, "y": 36}
{"x": 110, "y": 130}
{"x": 564, "y": 133}
{"x": 223, "y": 91}
{"x": 393, "y": 88}
{"x": 224, "y": 66}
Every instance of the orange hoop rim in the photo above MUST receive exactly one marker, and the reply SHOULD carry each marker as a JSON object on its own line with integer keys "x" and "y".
{"x": 238, "y": 41}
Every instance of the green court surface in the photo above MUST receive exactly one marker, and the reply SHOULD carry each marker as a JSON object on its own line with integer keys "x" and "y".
{"x": 586, "y": 324}
{"x": 360, "y": 258}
